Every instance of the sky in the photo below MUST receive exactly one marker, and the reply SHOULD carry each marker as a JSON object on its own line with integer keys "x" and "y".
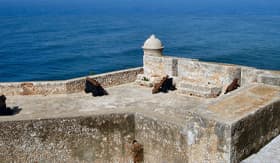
{"x": 138, "y": 6}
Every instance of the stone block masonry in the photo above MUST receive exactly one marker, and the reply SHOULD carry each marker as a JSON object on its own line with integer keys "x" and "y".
{"x": 60, "y": 123}
{"x": 246, "y": 119}
{"x": 171, "y": 127}
{"x": 68, "y": 86}
{"x": 103, "y": 138}
{"x": 192, "y": 76}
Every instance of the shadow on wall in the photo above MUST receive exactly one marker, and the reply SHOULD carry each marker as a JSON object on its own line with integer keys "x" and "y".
{"x": 10, "y": 111}
{"x": 4, "y": 110}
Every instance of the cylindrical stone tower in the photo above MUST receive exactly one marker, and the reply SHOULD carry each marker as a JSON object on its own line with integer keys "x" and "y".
{"x": 153, "y": 46}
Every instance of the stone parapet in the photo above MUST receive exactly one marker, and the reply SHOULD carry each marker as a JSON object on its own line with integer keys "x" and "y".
{"x": 220, "y": 75}
{"x": 191, "y": 71}
{"x": 68, "y": 86}
{"x": 102, "y": 138}
{"x": 269, "y": 77}
{"x": 199, "y": 90}
{"x": 33, "y": 88}
{"x": 201, "y": 74}
{"x": 252, "y": 113}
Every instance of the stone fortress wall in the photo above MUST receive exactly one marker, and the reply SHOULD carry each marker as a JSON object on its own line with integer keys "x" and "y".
{"x": 224, "y": 129}
{"x": 68, "y": 86}
{"x": 191, "y": 76}
{"x": 248, "y": 122}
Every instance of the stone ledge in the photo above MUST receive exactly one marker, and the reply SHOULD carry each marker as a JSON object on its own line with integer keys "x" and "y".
{"x": 102, "y": 138}
{"x": 252, "y": 114}
{"x": 207, "y": 90}
{"x": 68, "y": 86}
{"x": 271, "y": 79}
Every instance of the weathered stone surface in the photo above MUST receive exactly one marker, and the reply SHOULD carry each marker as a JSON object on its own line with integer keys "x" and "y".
{"x": 171, "y": 66}
{"x": 249, "y": 75}
{"x": 253, "y": 114}
{"x": 192, "y": 71}
{"x": 208, "y": 140}
{"x": 201, "y": 90}
{"x": 118, "y": 77}
{"x": 199, "y": 73}
{"x": 198, "y": 140}
{"x": 217, "y": 74}
{"x": 159, "y": 66}
{"x": 153, "y": 66}
{"x": 28, "y": 89}
{"x": 271, "y": 79}
{"x": 33, "y": 88}
{"x": 103, "y": 138}
{"x": 171, "y": 127}
{"x": 36, "y": 108}
{"x": 68, "y": 86}
{"x": 251, "y": 133}
{"x": 162, "y": 141}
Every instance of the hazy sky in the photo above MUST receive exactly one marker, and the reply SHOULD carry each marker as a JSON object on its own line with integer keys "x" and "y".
{"x": 68, "y": 6}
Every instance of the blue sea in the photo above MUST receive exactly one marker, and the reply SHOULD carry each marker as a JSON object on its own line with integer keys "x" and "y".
{"x": 36, "y": 47}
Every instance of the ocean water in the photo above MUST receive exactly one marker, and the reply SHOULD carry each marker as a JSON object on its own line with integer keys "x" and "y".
{"x": 62, "y": 46}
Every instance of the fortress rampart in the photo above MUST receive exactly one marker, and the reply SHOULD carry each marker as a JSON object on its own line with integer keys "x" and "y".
{"x": 195, "y": 123}
{"x": 68, "y": 86}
